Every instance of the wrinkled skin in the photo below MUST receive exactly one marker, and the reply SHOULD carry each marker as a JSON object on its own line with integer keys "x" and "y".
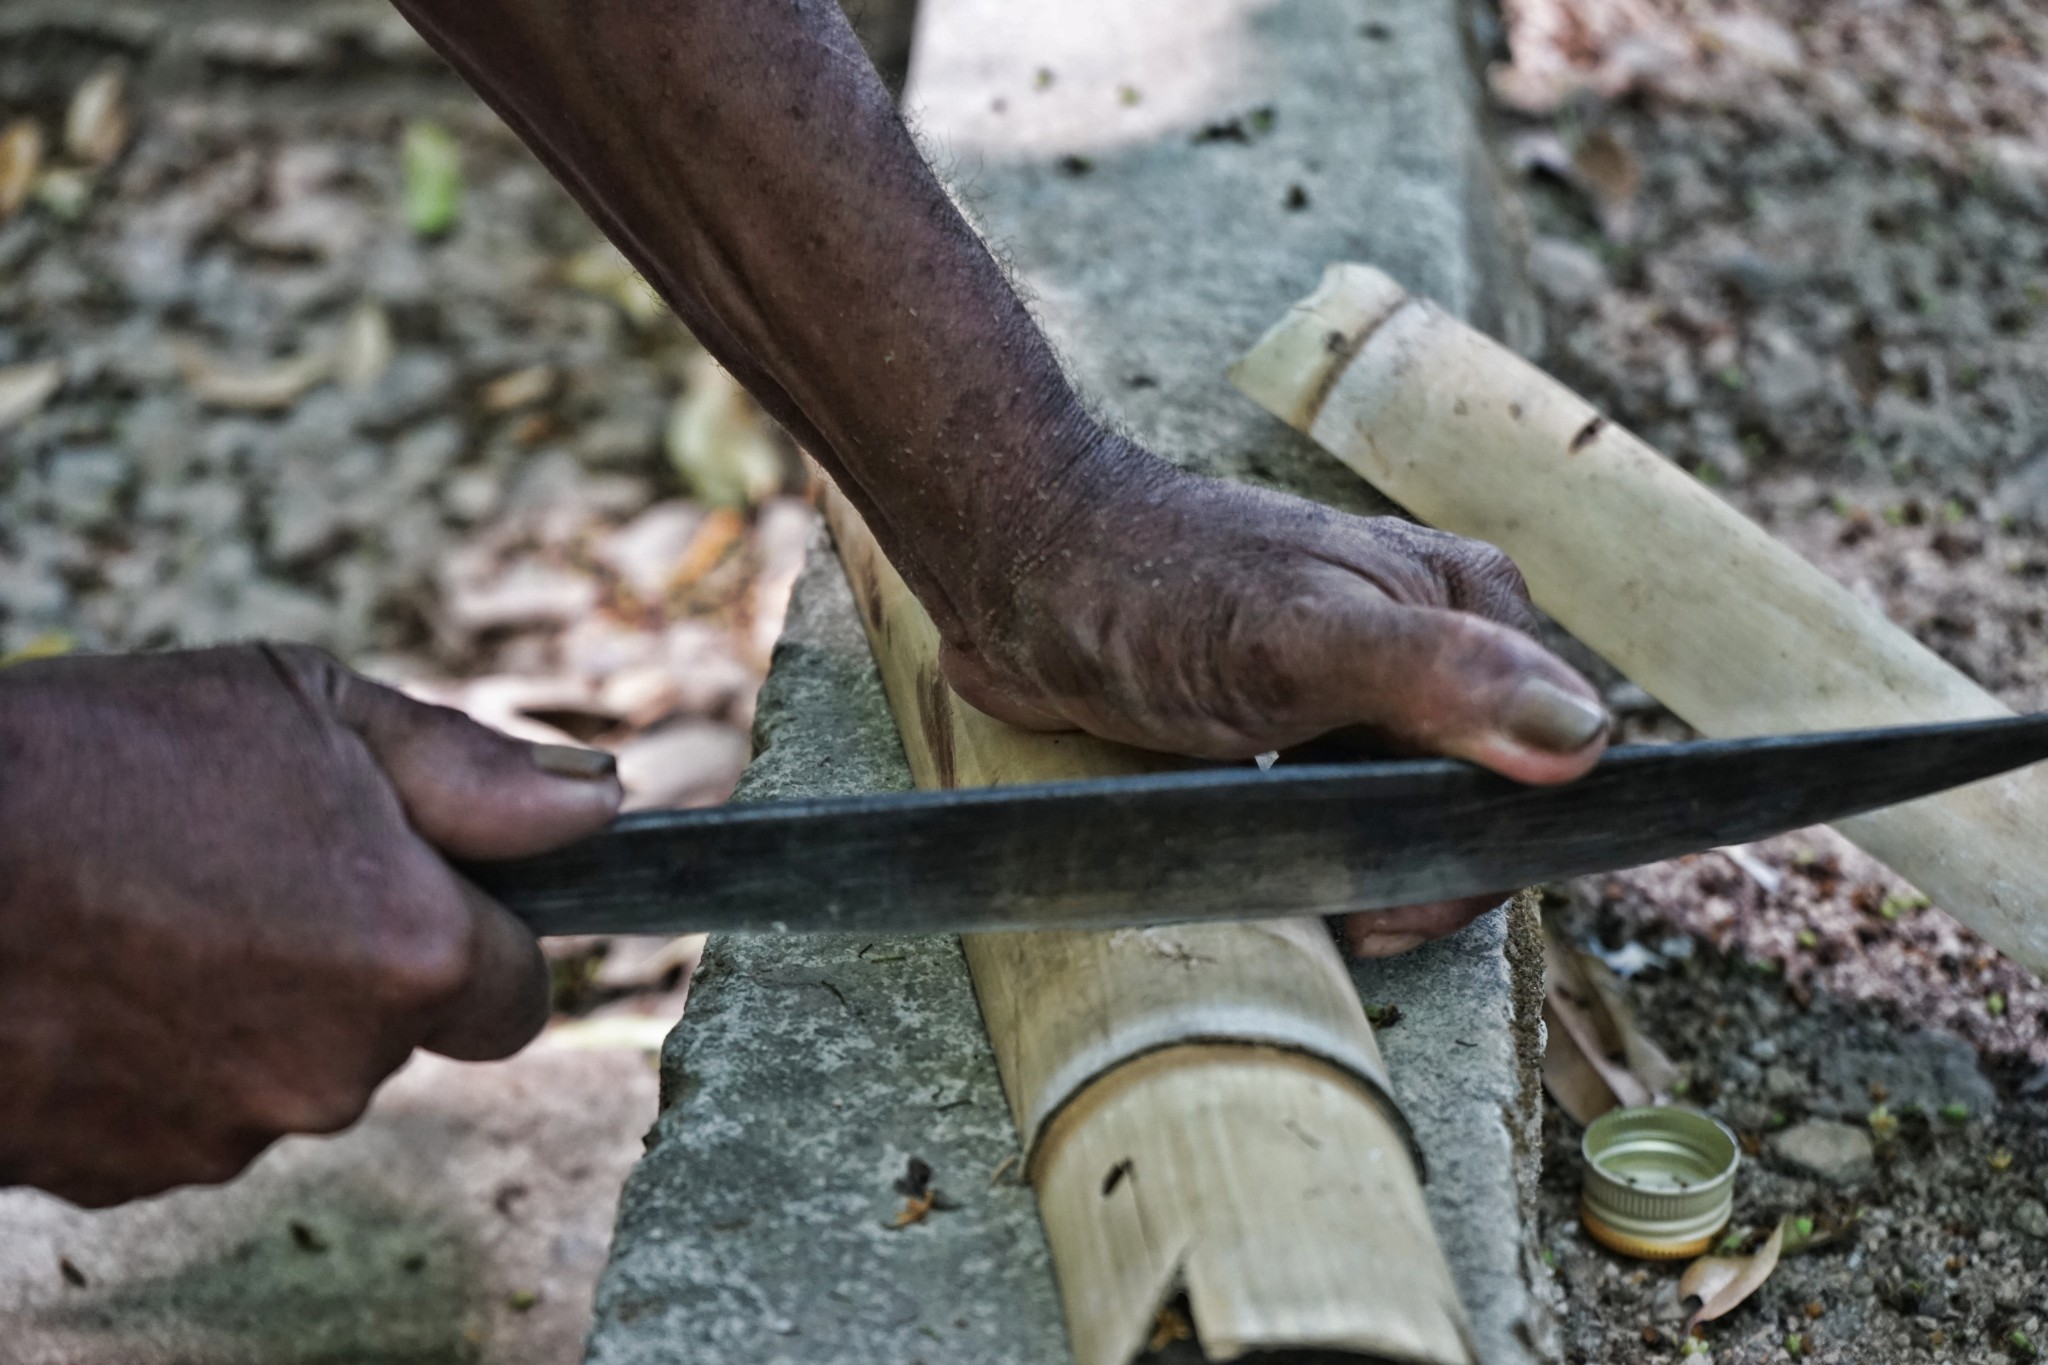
{"x": 224, "y": 911}
{"x": 1213, "y": 619}
{"x": 1076, "y": 579}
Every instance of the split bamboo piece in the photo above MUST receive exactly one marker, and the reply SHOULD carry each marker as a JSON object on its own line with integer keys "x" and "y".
{"x": 1698, "y": 605}
{"x": 1202, "y": 1109}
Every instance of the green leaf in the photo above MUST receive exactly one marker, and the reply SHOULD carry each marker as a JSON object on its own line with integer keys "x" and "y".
{"x": 1955, "y": 1111}
{"x": 432, "y": 164}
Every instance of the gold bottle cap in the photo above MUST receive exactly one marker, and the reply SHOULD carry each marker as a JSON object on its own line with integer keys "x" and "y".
{"x": 1659, "y": 1181}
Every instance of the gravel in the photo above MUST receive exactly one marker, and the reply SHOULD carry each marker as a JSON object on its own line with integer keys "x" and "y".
{"x": 1799, "y": 245}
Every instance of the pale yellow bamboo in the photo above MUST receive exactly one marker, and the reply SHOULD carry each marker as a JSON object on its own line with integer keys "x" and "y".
{"x": 1202, "y": 1108}
{"x": 1701, "y": 607}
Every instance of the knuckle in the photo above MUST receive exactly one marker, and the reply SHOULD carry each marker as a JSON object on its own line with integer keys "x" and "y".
{"x": 426, "y": 977}
{"x": 427, "y": 963}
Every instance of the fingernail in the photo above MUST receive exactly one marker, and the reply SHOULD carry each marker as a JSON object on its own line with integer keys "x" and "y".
{"x": 1543, "y": 715}
{"x": 564, "y": 760}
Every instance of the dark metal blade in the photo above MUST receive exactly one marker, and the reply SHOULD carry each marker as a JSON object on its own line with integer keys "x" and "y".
{"x": 1220, "y": 844}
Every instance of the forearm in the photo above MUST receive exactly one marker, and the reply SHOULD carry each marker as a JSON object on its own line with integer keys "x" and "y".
{"x": 748, "y": 160}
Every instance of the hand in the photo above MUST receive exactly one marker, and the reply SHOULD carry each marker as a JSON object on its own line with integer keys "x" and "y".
{"x": 224, "y": 913}
{"x": 1214, "y": 619}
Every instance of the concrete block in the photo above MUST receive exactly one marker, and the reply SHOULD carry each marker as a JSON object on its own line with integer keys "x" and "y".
{"x": 1164, "y": 177}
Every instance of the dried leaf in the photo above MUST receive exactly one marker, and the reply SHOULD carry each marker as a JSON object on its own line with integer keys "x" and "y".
{"x": 363, "y": 351}
{"x": 259, "y": 388}
{"x": 518, "y": 389}
{"x": 688, "y": 763}
{"x": 637, "y": 962}
{"x": 96, "y": 125}
{"x": 1722, "y": 1282}
{"x": 432, "y": 166}
{"x": 1646, "y": 1061}
{"x": 1594, "y": 1021}
{"x": 21, "y": 156}
{"x": 647, "y": 551}
{"x": 1576, "y": 1072}
{"x": 719, "y": 442}
{"x": 24, "y": 389}
{"x": 1610, "y": 173}
{"x": 915, "y": 1210}
{"x": 718, "y": 535}
{"x": 603, "y": 270}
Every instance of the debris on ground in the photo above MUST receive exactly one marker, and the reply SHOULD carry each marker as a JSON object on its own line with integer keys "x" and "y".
{"x": 1799, "y": 246}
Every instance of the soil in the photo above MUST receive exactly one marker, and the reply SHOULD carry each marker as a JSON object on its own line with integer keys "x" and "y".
{"x": 1799, "y": 245}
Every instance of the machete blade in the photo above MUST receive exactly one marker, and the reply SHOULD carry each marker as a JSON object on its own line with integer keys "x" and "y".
{"x": 1220, "y": 844}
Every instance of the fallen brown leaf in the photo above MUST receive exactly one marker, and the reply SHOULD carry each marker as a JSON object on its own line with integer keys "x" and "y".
{"x": 96, "y": 125}
{"x": 21, "y": 156}
{"x": 518, "y": 389}
{"x": 603, "y": 270}
{"x": 1576, "y": 1071}
{"x": 1610, "y": 173}
{"x": 364, "y": 350}
{"x": 1722, "y": 1282}
{"x": 719, "y": 441}
{"x": 719, "y": 532}
{"x": 253, "y": 388}
{"x": 1596, "y": 1056}
{"x": 642, "y": 962}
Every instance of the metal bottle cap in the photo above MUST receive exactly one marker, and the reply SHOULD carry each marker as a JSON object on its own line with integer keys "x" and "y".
{"x": 1659, "y": 1181}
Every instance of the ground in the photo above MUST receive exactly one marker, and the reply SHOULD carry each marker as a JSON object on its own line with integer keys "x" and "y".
{"x": 1798, "y": 244}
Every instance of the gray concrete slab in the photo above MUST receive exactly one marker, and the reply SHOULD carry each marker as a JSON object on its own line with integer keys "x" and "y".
{"x": 1164, "y": 177}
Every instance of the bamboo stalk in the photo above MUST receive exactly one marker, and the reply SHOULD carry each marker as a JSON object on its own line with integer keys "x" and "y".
{"x": 1202, "y": 1109}
{"x": 1698, "y": 605}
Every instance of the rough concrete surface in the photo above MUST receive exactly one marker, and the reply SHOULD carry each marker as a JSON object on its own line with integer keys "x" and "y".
{"x": 809, "y": 1075}
{"x": 463, "y": 1220}
{"x": 1164, "y": 178}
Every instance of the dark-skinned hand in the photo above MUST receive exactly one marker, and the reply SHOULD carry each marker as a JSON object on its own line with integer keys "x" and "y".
{"x": 225, "y": 914}
{"x": 1214, "y": 619}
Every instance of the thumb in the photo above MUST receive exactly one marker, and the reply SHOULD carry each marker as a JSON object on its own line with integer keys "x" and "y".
{"x": 1452, "y": 683}
{"x": 469, "y": 790}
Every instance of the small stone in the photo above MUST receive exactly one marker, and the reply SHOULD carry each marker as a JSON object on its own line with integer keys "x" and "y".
{"x": 85, "y": 487}
{"x": 1566, "y": 272}
{"x": 1833, "y": 1152}
{"x": 1782, "y": 1083}
{"x": 1764, "y": 1049}
{"x": 2031, "y": 1218}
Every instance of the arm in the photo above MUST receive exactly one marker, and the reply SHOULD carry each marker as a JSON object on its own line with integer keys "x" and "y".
{"x": 746, "y": 157}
